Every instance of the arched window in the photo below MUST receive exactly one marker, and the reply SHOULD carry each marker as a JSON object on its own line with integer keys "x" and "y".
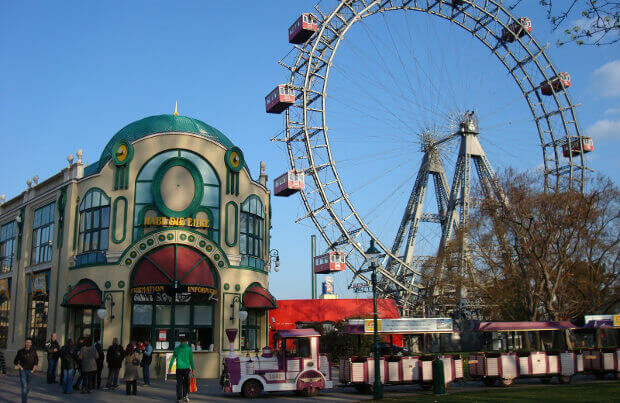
{"x": 252, "y": 232}
{"x": 94, "y": 226}
{"x": 173, "y": 292}
{"x": 146, "y": 206}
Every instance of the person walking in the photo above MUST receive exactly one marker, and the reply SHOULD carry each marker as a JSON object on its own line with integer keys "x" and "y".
{"x": 68, "y": 365}
{"x": 88, "y": 355}
{"x": 114, "y": 358}
{"x": 53, "y": 348}
{"x": 100, "y": 359}
{"x": 185, "y": 366}
{"x": 132, "y": 363}
{"x": 147, "y": 358}
{"x": 78, "y": 354}
{"x": 27, "y": 362}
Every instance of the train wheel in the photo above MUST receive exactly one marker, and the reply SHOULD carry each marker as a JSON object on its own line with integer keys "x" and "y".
{"x": 507, "y": 382}
{"x": 545, "y": 380}
{"x": 599, "y": 375}
{"x": 565, "y": 379}
{"x": 489, "y": 381}
{"x": 251, "y": 389}
{"x": 426, "y": 386}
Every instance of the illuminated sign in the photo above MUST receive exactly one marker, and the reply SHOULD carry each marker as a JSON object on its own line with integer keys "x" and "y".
{"x": 196, "y": 289}
{"x": 172, "y": 222}
{"x": 201, "y": 289}
{"x": 147, "y": 289}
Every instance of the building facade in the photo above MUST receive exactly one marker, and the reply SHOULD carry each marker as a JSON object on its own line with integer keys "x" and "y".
{"x": 166, "y": 236}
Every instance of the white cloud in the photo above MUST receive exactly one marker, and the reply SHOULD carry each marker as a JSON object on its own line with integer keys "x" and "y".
{"x": 607, "y": 129}
{"x": 606, "y": 79}
{"x": 613, "y": 111}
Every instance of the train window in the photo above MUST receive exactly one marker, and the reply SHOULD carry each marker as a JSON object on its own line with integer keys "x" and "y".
{"x": 291, "y": 176}
{"x": 342, "y": 258}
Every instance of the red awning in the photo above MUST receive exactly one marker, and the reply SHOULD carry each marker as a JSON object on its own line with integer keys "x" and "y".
{"x": 85, "y": 294}
{"x": 177, "y": 268}
{"x": 256, "y": 297}
{"x": 523, "y": 326}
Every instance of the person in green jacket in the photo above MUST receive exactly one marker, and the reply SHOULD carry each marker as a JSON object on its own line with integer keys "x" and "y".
{"x": 185, "y": 366}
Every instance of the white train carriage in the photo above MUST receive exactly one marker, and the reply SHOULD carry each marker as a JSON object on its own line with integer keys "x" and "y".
{"x": 360, "y": 371}
{"x": 295, "y": 366}
{"x": 491, "y": 367}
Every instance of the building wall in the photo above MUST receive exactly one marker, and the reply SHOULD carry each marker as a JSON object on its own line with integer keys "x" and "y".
{"x": 114, "y": 277}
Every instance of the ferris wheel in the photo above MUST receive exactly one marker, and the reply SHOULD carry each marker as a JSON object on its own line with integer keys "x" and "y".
{"x": 314, "y": 173}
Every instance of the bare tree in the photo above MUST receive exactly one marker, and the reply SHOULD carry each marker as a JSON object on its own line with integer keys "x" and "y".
{"x": 542, "y": 256}
{"x": 584, "y": 22}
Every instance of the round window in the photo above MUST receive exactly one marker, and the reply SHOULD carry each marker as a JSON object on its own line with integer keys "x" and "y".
{"x": 177, "y": 188}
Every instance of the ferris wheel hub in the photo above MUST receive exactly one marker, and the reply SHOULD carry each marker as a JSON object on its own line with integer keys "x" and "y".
{"x": 469, "y": 123}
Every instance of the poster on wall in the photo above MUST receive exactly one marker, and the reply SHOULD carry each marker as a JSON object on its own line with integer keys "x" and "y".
{"x": 39, "y": 283}
{"x": 172, "y": 370}
{"x": 162, "y": 335}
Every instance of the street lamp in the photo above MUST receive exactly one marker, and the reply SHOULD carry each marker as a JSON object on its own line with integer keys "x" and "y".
{"x": 372, "y": 254}
{"x": 102, "y": 312}
{"x": 274, "y": 254}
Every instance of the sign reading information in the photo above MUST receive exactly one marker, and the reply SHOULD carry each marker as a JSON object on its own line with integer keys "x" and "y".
{"x": 173, "y": 222}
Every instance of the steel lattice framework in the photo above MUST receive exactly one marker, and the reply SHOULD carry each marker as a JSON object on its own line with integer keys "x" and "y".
{"x": 327, "y": 203}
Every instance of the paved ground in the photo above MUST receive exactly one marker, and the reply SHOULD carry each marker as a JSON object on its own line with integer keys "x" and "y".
{"x": 208, "y": 391}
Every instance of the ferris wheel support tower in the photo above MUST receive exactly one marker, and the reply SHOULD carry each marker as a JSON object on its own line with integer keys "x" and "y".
{"x": 469, "y": 150}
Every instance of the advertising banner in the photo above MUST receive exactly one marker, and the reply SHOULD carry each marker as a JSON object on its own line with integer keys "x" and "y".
{"x": 406, "y": 325}
{"x": 172, "y": 370}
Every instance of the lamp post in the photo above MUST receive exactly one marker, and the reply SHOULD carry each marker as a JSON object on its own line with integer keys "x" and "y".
{"x": 373, "y": 254}
{"x": 102, "y": 312}
{"x": 274, "y": 254}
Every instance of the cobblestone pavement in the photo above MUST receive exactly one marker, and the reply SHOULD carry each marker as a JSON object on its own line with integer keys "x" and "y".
{"x": 209, "y": 391}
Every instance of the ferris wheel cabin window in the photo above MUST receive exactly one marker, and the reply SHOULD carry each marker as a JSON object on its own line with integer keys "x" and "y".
{"x": 251, "y": 232}
{"x": 42, "y": 234}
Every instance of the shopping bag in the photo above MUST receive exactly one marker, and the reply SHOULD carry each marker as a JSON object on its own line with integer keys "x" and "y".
{"x": 193, "y": 386}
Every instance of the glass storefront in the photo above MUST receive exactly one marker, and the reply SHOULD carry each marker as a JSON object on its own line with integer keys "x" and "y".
{"x": 86, "y": 323}
{"x": 164, "y": 319}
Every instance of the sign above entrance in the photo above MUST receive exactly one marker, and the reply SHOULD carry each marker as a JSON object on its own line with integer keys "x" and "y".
{"x": 172, "y": 222}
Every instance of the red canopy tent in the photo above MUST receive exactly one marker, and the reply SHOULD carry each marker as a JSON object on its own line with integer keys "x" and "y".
{"x": 293, "y": 312}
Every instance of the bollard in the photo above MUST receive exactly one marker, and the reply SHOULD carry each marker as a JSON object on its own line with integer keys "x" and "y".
{"x": 439, "y": 378}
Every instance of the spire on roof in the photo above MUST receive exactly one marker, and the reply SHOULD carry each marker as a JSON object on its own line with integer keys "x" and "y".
{"x": 176, "y": 113}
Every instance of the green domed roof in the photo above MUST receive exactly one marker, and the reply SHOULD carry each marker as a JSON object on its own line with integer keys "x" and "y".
{"x": 159, "y": 124}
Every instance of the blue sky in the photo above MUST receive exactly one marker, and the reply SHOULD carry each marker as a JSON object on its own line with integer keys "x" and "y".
{"x": 74, "y": 73}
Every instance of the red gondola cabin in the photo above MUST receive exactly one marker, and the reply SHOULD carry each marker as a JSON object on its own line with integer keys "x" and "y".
{"x": 555, "y": 84}
{"x": 330, "y": 262}
{"x": 517, "y": 29}
{"x": 302, "y": 29}
{"x": 289, "y": 183}
{"x": 586, "y": 143}
{"x": 279, "y": 99}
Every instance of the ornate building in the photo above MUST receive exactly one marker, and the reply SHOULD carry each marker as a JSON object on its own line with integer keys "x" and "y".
{"x": 167, "y": 232}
